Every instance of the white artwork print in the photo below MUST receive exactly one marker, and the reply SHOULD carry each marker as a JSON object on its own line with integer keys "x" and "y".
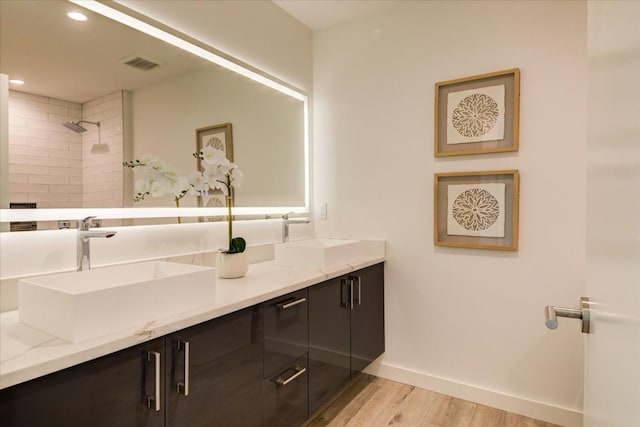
{"x": 476, "y": 210}
{"x": 215, "y": 140}
{"x": 475, "y": 115}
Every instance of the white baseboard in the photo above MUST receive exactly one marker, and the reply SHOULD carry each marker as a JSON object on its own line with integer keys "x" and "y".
{"x": 518, "y": 405}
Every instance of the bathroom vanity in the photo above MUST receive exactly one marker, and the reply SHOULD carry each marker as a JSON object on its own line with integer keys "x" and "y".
{"x": 274, "y": 348}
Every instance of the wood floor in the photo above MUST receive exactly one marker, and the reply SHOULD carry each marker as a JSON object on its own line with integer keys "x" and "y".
{"x": 371, "y": 401}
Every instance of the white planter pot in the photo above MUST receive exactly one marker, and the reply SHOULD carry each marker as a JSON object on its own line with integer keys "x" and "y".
{"x": 231, "y": 266}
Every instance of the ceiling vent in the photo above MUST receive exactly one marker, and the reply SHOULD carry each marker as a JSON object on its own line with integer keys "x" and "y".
{"x": 144, "y": 64}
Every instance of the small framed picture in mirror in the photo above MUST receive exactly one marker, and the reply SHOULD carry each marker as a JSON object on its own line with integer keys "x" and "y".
{"x": 478, "y": 114}
{"x": 219, "y": 137}
{"x": 477, "y": 209}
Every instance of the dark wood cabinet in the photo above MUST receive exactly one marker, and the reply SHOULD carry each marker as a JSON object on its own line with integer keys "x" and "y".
{"x": 286, "y": 342}
{"x": 346, "y": 330}
{"x": 329, "y": 341}
{"x": 271, "y": 365}
{"x": 114, "y": 390}
{"x": 214, "y": 372}
{"x": 285, "y": 395}
{"x": 286, "y": 330}
{"x": 367, "y": 317}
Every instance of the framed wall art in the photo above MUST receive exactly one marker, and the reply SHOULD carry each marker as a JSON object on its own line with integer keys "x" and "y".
{"x": 478, "y": 114}
{"x": 213, "y": 200}
{"x": 477, "y": 209}
{"x": 221, "y": 138}
{"x": 217, "y": 136}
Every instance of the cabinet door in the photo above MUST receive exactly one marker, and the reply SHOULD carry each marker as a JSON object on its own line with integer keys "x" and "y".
{"x": 127, "y": 388}
{"x": 214, "y": 372}
{"x": 329, "y": 360}
{"x": 286, "y": 331}
{"x": 367, "y": 316}
{"x": 109, "y": 391}
{"x": 59, "y": 399}
{"x": 286, "y": 396}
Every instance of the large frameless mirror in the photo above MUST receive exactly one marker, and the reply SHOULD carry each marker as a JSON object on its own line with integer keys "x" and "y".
{"x": 98, "y": 92}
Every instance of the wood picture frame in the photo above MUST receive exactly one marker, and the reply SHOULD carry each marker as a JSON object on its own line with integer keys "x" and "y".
{"x": 477, "y": 210}
{"x": 477, "y": 114}
{"x": 217, "y": 136}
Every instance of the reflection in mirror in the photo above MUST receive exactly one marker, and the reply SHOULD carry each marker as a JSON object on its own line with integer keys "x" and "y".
{"x": 133, "y": 94}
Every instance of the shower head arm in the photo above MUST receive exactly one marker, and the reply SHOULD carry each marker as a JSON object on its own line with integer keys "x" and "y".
{"x": 87, "y": 121}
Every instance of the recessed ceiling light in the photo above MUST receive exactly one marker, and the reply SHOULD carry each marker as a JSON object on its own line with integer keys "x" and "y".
{"x": 16, "y": 81}
{"x": 77, "y": 16}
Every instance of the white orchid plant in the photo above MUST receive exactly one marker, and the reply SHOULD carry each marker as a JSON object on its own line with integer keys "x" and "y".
{"x": 218, "y": 174}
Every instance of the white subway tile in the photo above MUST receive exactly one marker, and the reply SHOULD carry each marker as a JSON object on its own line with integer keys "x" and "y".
{"x": 48, "y": 179}
{"x": 65, "y": 154}
{"x": 47, "y": 161}
{"x": 65, "y": 188}
{"x": 63, "y": 134}
{"x": 73, "y": 163}
{"x": 68, "y": 104}
{"x": 18, "y": 139}
{"x": 29, "y": 188}
{"x": 17, "y": 121}
{"x": 47, "y": 143}
{"x": 17, "y": 159}
{"x": 60, "y": 205}
{"x": 45, "y": 106}
{"x": 48, "y": 197}
{"x": 18, "y": 149}
{"x": 15, "y": 197}
{"x": 18, "y": 179}
{"x": 67, "y": 171}
{"x": 28, "y": 169}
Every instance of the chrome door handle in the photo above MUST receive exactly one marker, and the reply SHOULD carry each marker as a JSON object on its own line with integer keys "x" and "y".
{"x": 552, "y": 313}
{"x": 153, "y": 402}
{"x": 297, "y": 371}
{"x": 290, "y": 303}
{"x": 356, "y": 280}
{"x": 183, "y": 387}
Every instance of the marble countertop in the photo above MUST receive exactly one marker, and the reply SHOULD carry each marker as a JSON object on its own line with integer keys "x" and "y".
{"x": 27, "y": 353}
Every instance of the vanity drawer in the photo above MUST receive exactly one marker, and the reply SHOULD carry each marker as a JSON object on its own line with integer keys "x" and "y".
{"x": 286, "y": 331}
{"x": 286, "y": 395}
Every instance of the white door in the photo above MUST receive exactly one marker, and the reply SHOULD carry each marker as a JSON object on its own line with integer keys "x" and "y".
{"x": 612, "y": 358}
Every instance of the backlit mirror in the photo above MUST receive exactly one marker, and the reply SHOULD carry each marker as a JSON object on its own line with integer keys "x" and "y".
{"x": 128, "y": 94}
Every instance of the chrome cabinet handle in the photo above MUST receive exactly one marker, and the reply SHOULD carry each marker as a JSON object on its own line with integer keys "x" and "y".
{"x": 153, "y": 402}
{"x": 183, "y": 387}
{"x": 290, "y": 303}
{"x": 297, "y": 371}
{"x": 357, "y": 281}
{"x": 552, "y": 313}
{"x": 345, "y": 285}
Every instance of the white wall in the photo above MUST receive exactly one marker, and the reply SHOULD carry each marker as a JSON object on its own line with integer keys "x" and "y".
{"x": 4, "y": 145}
{"x": 465, "y": 322}
{"x": 255, "y": 31}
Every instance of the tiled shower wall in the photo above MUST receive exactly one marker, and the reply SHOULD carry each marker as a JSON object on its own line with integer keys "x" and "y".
{"x": 45, "y": 158}
{"x": 102, "y": 170}
{"x": 58, "y": 168}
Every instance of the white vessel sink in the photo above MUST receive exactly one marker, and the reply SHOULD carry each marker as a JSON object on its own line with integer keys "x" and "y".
{"x": 82, "y": 305}
{"x": 318, "y": 254}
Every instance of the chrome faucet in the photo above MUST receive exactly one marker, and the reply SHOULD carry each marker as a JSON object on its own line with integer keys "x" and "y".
{"x": 84, "y": 234}
{"x": 285, "y": 225}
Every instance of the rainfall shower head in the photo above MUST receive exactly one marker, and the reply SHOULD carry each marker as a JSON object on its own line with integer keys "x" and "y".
{"x": 76, "y": 127}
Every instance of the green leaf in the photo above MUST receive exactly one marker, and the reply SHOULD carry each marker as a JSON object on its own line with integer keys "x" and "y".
{"x": 237, "y": 245}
